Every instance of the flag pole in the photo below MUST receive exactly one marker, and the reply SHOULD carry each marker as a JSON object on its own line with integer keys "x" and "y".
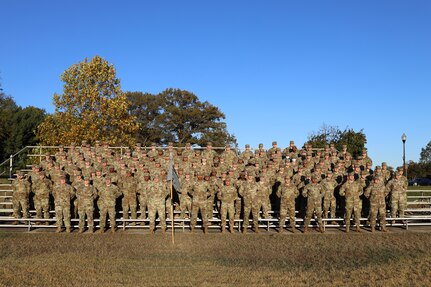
{"x": 172, "y": 202}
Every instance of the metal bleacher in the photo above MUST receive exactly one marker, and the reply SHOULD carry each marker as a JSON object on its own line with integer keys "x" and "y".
{"x": 418, "y": 212}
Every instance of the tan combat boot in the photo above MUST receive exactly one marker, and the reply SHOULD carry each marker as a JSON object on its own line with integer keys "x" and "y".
{"x": 231, "y": 229}
{"x": 113, "y": 229}
{"x": 321, "y": 229}
{"x": 293, "y": 229}
{"x": 67, "y": 229}
{"x": 373, "y": 229}
{"x": 192, "y": 229}
{"x": 358, "y": 229}
{"x": 90, "y": 229}
{"x": 305, "y": 229}
{"x": 81, "y": 230}
{"x": 102, "y": 230}
{"x": 347, "y": 228}
{"x": 58, "y": 230}
{"x": 206, "y": 229}
{"x": 280, "y": 230}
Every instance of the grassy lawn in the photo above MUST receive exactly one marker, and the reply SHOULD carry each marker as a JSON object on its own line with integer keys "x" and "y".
{"x": 121, "y": 259}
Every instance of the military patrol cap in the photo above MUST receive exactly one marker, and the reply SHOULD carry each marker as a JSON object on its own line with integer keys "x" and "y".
{"x": 360, "y": 158}
{"x": 261, "y": 145}
{"x": 274, "y": 143}
{"x": 400, "y": 168}
{"x": 97, "y": 142}
{"x": 384, "y": 164}
{"x": 170, "y": 143}
{"x": 62, "y": 177}
{"x": 42, "y": 174}
{"x": 209, "y": 143}
{"x": 247, "y": 146}
{"x": 20, "y": 173}
{"x": 153, "y": 144}
{"x": 188, "y": 144}
{"x": 138, "y": 144}
{"x": 292, "y": 142}
{"x": 329, "y": 172}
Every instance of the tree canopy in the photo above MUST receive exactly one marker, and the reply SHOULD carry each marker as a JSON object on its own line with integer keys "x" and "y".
{"x": 17, "y": 125}
{"x": 355, "y": 141}
{"x": 92, "y": 107}
{"x": 178, "y": 116}
{"x": 425, "y": 156}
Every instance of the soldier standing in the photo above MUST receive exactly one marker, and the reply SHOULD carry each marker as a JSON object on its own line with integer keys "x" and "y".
{"x": 129, "y": 190}
{"x": 157, "y": 203}
{"x": 42, "y": 189}
{"x": 200, "y": 194}
{"x": 398, "y": 187}
{"x": 314, "y": 193}
{"x": 21, "y": 188}
{"x": 108, "y": 195}
{"x": 86, "y": 195}
{"x": 352, "y": 190}
{"x": 248, "y": 191}
{"x": 227, "y": 194}
{"x": 329, "y": 202}
{"x": 377, "y": 192}
{"x": 287, "y": 193}
{"x": 63, "y": 193}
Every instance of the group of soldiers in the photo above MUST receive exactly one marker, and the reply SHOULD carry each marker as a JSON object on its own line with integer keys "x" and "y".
{"x": 320, "y": 183}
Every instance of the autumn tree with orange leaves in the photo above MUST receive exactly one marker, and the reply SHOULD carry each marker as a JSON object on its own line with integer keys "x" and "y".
{"x": 92, "y": 107}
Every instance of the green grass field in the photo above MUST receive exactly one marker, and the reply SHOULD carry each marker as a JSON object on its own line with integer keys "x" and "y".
{"x": 122, "y": 259}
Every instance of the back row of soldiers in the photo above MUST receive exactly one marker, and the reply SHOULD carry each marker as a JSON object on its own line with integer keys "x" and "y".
{"x": 322, "y": 182}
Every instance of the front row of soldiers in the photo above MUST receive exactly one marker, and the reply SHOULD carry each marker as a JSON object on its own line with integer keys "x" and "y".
{"x": 196, "y": 196}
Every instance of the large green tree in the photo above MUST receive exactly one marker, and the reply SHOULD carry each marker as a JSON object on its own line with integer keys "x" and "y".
{"x": 178, "y": 116}
{"x": 17, "y": 126}
{"x": 92, "y": 107}
{"x": 355, "y": 141}
{"x": 425, "y": 156}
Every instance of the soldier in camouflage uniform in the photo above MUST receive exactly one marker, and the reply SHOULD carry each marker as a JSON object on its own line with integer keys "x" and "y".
{"x": 248, "y": 192}
{"x": 21, "y": 188}
{"x": 352, "y": 190}
{"x": 398, "y": 189}
{"x": 227, "y": 194}
{"x": 86, "y": 195}
{"x": 287, "y": 192}
{"x": 143, "y": 191}
{"x": 185, "y": 200}
{"x": 377, "y": 192}
{"x": 314, "y": 193}
{"x": 63, "y": 194}
{"x": 329, "y": 202}
{"x": 42, "y": 189}
{"x": 108, "y": 195}
{"x": 200, "y": 194}
{"x": 157, "y": 203}
{"x": 129, "y": 189}
{"x": 264, "y": 190}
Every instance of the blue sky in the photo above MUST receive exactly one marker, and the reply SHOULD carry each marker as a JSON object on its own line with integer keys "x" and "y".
{"x": 277, "y": 69}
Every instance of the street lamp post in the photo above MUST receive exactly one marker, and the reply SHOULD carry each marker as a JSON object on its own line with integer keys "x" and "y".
{"x": 404, "y": 138}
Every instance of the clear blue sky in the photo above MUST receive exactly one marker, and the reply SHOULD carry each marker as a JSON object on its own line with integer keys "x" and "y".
{"x": 277, "y": 69}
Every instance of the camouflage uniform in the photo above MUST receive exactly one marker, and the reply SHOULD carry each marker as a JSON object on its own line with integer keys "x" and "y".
{"x": 227, "y": 194}
{"x": 108, "y": 195}
{"x": 185, "y": 200}
{"x": 129, "y": 190}
{"x": 314, "y": 193}
{"x": 287, "y": 193}
{"x": 21, "y": 188}
{"x": 200, "y": 194}
{"x": 398, "y": 187}
{"x": 157, "y": 203}
{"x": 248, "y": 191}
{"x": 42, "y": 189}
{"x": 377, "y": 192}
{"x": 62, "y": 193}
{"x": 329, "y": 202}
{"x": 86, "y": 195}
{"x": 352, "y": 190}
